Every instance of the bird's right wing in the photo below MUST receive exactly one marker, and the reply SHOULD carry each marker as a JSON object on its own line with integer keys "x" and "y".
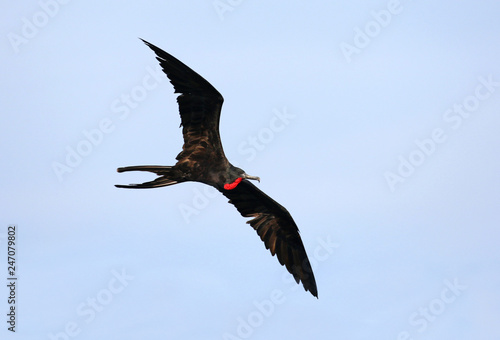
{"x": 277, "y": 230}
{"x": 199, "y": 106}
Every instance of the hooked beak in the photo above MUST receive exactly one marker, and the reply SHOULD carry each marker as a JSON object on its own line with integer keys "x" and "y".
{"x": 251, "y": 177}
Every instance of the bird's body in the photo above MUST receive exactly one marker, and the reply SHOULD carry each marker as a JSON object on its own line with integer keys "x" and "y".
{"x": 202, "y": 160}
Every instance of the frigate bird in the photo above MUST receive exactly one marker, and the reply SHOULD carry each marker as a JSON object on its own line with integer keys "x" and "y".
{"x": 202, "y": 160}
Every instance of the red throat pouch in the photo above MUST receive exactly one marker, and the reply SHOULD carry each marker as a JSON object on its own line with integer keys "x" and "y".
{"x": 231, "y": 186}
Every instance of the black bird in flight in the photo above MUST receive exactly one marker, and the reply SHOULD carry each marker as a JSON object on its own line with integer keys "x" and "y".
{"x": 202, "y": 160}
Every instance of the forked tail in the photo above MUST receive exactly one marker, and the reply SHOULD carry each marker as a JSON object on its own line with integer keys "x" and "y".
{"x": 167, "y": 175}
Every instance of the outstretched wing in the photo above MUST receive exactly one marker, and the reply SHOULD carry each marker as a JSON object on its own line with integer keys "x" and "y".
{"x": 276, "y": 228}
{"x": 199, "y": 106}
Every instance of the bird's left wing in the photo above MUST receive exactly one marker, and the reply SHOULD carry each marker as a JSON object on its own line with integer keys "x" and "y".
{"x": 199, "y": 107}
{"x": 277, "y": 230}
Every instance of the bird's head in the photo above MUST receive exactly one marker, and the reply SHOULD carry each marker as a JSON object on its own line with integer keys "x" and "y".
{"x": 235, "y": 176}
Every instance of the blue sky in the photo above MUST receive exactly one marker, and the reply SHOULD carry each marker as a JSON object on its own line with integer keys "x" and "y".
{"x": 375, "y": 123}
